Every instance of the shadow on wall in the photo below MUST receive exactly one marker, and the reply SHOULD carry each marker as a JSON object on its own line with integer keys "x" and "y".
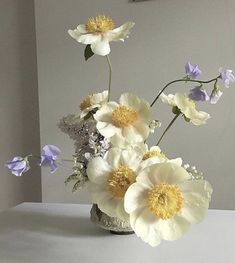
{"x": 19, "y": 99}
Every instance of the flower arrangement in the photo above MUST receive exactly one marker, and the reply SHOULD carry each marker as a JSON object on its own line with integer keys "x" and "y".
{"x": 159, "y": 197}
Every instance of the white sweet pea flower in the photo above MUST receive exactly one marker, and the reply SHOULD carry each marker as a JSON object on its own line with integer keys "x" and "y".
{"x": 110, "y": 177}
{"x": 93, "y": 101}
{"x": 98, "y": 32}
{"x": 187, "y": 107}
{"x": 128, "y": 119}
{"x": 163, "y": 202}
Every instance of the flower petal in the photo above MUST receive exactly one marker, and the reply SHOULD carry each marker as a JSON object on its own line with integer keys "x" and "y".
{"x": 131, "y": 158}
{"x": 101, "y": 47}
{"x": 113, "y": 157}
{"x": 135, "y": 196}
{"x": 163, "y": 173}
{"x": 172, "y": 229}
{"x": 120, "y": 33}
{"x": 141, "y": 106}
{"x": 98, "y": 170}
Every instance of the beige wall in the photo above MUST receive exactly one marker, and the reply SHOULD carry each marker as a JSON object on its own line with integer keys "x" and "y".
{"x": 166, "y": 35}
{"x": 19, "y": 127}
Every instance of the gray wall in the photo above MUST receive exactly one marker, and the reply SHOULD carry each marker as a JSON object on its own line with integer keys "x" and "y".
{"x": 166, "y": 35}
{"x": 19, "y": 127}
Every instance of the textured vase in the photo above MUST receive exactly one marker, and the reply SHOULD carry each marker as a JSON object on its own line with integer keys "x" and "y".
{"x": 113, "y": 224}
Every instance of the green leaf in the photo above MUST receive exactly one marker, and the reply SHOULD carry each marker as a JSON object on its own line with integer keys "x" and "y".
{"x": 88, "y": 52}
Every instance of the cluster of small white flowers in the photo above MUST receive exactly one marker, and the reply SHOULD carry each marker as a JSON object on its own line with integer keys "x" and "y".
{"x": 192, "y": 170}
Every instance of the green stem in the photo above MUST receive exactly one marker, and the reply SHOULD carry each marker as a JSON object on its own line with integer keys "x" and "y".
{"x": 182, "y": 80}
{"x": 167, "y": 128}
{"x": 110, "y": 76}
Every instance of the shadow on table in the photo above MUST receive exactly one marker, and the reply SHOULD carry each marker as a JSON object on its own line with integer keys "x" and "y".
{"x": 61, "y": 225}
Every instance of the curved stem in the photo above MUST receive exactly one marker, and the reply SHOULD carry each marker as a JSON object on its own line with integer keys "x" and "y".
{"x": 167, "y": 128}
{"x": 182, "y": 80}
{"x": 110, "y": 76}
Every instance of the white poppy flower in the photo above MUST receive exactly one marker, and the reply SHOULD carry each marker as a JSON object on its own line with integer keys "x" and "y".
{"x": 110, "y": 177}
{"x": 164, "y": 202}
{"x": 187, "y": 107}
{"x": 128, "y": 119}
{"x": 98, "y": 32}
{"x": 93, "y": 101}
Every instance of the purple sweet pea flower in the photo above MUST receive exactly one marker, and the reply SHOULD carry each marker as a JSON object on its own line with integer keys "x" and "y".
{"x": 18, "y": 165}
{"x": 192, "y": 71}
{"x": 215, "y": 96}
{"x": 50, "y": 157}
{"x": 227, "y": 76}
{"x": 198, "y": 94}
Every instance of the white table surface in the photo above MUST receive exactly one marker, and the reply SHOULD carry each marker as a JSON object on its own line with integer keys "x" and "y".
{"x": 33, "y": 232}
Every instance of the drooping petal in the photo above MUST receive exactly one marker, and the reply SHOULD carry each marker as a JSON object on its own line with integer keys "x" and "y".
{"x": 101, "y": 47}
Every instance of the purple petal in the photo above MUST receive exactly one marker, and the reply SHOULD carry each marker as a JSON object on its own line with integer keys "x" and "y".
{"x": 198, "y": 94}
{"x": 227, "y": 76}
{"x": 18, "y": 165}
{"x": 51, "y": 150}
{"x": 192, "y": 71}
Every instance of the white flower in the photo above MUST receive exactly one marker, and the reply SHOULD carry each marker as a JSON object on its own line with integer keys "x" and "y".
{"x": 164, "y": 202}
{"x": 187, "y": 107}
{"x": 155, "y": 155}
{"x": 93, "y": 101}
{"x": 215, "y": 96}
{"x": 110, "y": 178}
{"x": 98, "y": 32}
{"x": 128, "y": 119}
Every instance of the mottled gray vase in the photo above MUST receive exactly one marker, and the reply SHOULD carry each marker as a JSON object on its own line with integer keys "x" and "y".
{"x": 113, "y": 224}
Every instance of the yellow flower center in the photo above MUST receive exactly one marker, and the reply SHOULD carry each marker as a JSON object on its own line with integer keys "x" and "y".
{"x": 86, "y": 103}
{"x": 165, "y": 201}
{"x": 123, "y": 116}
{"x": 119, "y": 181}
{"x": 153, "y": 153}
{"x": 99, "y": 24}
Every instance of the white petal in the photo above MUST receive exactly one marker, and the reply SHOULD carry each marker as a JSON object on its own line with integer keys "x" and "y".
{"x": 131, "y": 158}
{"x": 148, "y": 162}
{"x": 81, "y": 29}
{"x": 120, "y": 33}
{"x": 177, "y": 161}
{"x": 172, "y": 229}
{"x": 143, "y": 223}
{"x": 168, "y": 99}
{"x": 163, "y": 173}
{"x": 197, "y": 195}
{"x": 99, "y": 98}
{"x": 141, "y": 106}
{"x": 137, "y": 132}
{"x": 113, "y": 157}
{"x": 104, "y": 114}
{"x": 98, "y": 170}
{"x": 107, "y": 129}
{"x": 83, "y": 38}
{"x": 135, "y": 196}
{"x": 101, "y": 47}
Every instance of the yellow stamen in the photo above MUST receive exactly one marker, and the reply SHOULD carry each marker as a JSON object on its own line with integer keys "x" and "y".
{"x": 158, "y": 154}
{"x": 99, "y": 24}
{"x": 119, "y": 181}
{"x": 123, "y": 116}
{"x": 165, "y": 201}
{"x": 86, "y": 103}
